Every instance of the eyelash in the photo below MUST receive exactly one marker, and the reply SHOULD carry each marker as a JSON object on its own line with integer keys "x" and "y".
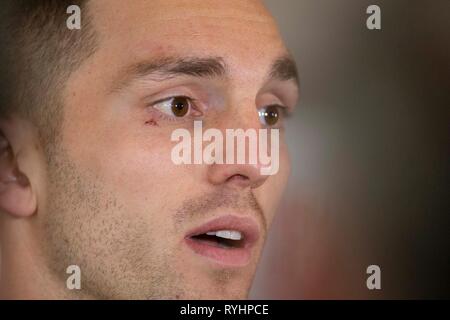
{"x": 284, "y": 110}
{"x": 161, "y": 115}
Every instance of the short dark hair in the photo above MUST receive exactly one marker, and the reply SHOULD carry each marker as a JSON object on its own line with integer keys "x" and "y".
{"x": 39, "y": 55}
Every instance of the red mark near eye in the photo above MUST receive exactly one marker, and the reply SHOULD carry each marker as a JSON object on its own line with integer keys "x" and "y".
{"x": 151, "y": 123}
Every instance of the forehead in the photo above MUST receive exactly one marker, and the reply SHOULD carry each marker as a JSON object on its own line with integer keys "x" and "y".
{"x": 240, "y": 30}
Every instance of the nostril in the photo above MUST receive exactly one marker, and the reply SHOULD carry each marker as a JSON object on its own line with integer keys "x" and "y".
{"x": 239, "y": 175}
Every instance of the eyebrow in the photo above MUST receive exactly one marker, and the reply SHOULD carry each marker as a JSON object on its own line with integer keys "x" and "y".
{"x": 283, "y": 68}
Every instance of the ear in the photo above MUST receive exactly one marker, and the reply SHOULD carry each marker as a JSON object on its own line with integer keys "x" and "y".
{"x": 16, "y": 193}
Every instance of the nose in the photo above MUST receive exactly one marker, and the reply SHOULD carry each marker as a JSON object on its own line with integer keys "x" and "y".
{"x": 237, "y": 174}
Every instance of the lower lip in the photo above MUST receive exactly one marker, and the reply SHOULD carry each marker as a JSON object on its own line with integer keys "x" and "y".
{"x": 232, "y": 257}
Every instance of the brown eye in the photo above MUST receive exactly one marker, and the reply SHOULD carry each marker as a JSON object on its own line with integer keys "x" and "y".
{"x": 176, "y": 107}
{"x": 180, "y": 106}
{"x": 269, "y": 115}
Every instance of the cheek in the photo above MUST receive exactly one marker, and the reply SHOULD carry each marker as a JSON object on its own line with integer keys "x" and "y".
{"x": 136, "y": 166}
{"x": 145, "y": 182}
{"x": 285, "y": 166}
{"x": 270, "y": 193}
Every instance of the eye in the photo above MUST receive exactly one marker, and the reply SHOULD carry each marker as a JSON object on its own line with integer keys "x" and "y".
{"x": 174, "y": 106}
{"x": 270, "y": 115}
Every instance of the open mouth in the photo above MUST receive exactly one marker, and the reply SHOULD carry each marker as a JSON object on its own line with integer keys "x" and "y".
{"x": 227, "y": 240}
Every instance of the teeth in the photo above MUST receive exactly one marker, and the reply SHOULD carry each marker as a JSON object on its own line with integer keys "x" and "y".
{"x": 226, "y": 234}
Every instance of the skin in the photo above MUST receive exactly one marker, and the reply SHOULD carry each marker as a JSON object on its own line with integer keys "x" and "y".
{"x": 110, "y": 200}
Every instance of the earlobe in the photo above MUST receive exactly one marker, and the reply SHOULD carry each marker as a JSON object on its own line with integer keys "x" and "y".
{"x": 16, "y": 194}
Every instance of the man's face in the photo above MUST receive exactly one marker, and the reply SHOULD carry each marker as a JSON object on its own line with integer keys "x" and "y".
{"x": 116, "y": 205}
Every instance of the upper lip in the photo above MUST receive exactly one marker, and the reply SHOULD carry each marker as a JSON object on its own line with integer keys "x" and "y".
{"x": 245, "y": 225}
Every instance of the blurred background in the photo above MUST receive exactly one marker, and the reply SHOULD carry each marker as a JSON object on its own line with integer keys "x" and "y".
{"x": 369, "y": 147}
